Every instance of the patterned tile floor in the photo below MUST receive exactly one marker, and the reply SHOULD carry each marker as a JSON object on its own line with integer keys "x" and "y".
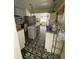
{"x": 35, "y": 49}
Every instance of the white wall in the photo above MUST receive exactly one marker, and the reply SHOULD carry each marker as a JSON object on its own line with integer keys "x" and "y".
{"x": 19, "y": 11}
{"x": 22, "y": 12}
{"x": 42, "y": 17}
{"x": 61, "y": 18}
{"x": 28, "y": 12}
{"x": 17, "y": 52}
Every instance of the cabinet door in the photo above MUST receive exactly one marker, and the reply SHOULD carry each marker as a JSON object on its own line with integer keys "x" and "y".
{"x": 52, "y": 17}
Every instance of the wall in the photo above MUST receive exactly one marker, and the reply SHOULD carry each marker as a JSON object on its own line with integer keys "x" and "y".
{"x": 22, "y": 12}
{"x": 17, "y": 52}
{"x": 19, "y": 11}
{"x": 42, "y": 17}
{"x": 28, "y": 12}
{"x": 59, "y": 4}
{"x": 53, "y": 17}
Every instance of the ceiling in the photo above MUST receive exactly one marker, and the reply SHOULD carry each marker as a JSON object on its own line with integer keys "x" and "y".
{"x": 37, "y": 5}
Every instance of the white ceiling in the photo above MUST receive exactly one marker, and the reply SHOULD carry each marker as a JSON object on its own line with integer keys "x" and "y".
{"x": 21, "y": 3}
{"x": 34, "y": 5}
{"x": 41, "y": 3}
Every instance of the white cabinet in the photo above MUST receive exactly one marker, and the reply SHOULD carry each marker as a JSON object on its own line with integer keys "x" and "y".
{"x": 32, "y": 32}
{"x": 48, "y": 41}
{"x": 21, "y": 37}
